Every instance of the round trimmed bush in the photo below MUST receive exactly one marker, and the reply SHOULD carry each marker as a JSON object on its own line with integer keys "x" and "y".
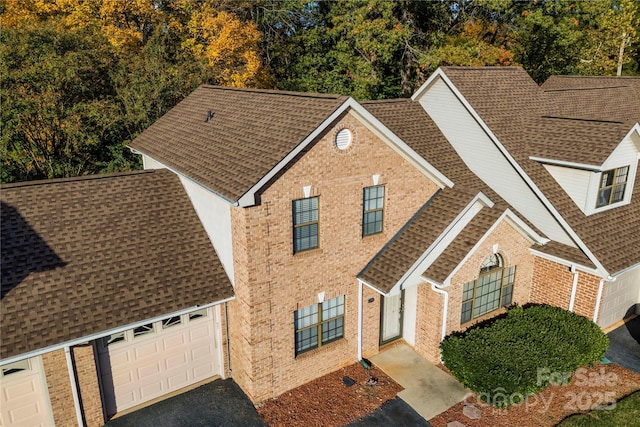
{"x": 522, "y": 352}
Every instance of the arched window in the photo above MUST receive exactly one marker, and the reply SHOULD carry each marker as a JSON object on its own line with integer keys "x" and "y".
{"x": 491, "y": 290}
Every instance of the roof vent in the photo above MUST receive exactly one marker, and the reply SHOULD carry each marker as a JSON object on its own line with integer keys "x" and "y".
{"x": 343, "y": 139}
{"x": 209, "y": 116}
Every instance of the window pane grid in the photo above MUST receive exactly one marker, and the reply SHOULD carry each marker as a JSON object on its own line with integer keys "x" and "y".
{"x": 490, "y": 291}
{"x": 325, "y": 319}
{"x": 372, "y": 210}
{"x": 305, "y": 224}
{"x": 612, "y": 186}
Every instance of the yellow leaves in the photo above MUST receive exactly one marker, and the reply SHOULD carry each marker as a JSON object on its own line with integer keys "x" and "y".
{"x": 226, "y": 44}
{"x": 125, "y": 22}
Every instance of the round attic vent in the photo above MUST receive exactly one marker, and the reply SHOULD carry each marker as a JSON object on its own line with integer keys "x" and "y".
{"x": 343, "y": 139}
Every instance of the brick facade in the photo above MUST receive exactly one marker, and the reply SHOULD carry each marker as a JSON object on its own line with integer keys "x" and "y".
{"x": 88, "y": 385}
{"x": 271, "y": 282}
{"x": 59, "y": 386}
{"x": 514, "y": 249}
{"x": 552, "y": 283}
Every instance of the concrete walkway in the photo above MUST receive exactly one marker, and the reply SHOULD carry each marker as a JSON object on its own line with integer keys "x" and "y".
{"x": 427, "y": 389}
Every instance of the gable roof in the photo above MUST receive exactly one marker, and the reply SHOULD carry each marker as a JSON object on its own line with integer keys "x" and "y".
{"x": 250, "y": 132}
{"x": 85, "y": 255}
{"x": 515, "y": 109}
{"x": 408, "y": 120}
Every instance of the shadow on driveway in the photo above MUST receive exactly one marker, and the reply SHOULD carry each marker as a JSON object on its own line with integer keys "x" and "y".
{"x": 624, "y": 345}
{"x": 218, "y": 403}
{"x": 395, "y": 413}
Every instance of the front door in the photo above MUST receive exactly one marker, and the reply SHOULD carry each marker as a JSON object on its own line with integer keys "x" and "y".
{"x": 391, "y": 318}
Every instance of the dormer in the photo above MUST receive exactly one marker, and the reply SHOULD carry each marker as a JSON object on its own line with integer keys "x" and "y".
{"x": 597, "y": 188}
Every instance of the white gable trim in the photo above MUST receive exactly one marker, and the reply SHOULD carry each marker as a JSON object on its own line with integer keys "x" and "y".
{"x": 439, "y": 73}
{"x": 512, "y": 219}
{"x": 413, "y": 275}
{"x": 563, "y": 261}
{"x": 249, "y": 199}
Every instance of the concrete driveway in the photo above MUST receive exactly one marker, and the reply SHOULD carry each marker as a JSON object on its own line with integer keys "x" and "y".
{"x": 624, "y": 345}
{"x": 218, "y": 403}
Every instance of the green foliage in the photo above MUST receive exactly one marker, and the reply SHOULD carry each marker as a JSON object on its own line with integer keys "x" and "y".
{"x": 625, "y": 413}
{"x": 507, "y": 355}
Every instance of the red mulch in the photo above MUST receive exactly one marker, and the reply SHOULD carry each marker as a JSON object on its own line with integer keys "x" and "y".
{"x": 328, "y": 402}
{"x": 588, "y": 389}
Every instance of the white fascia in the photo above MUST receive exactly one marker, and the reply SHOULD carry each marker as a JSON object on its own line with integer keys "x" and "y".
{"x": 573, "y": 165}
{"x": 249, "y": 198}
{"x": 513, "y": 220}
{"x": 564, "y": 262}
{"x": 399, "y": 145}
{"x": 107, "y": 332}
{"x": 443, "y": 240}
{"x": 364, "y": 282}
{"x": 226, "y": 199}
{"x": 439, "y": 73}
{"x": 624, "y": 270}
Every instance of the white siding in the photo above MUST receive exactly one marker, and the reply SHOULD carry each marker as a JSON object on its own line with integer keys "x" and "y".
{"x": 482, "y": 156}
{"x": 625, "y": 154}
{"x": 215, "y": 216}
{"x": 619, "y": 298}
{"x": 575, "y": 182}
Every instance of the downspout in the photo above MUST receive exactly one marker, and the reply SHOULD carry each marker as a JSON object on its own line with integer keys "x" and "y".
{"x": 359, "y": 320}
{"x": 438, "y": 289}
{"x": 599, "y": 297}
{"x": 226, "y": 326}
{"x": 74, "y": 386}
{"x": 574, "y": 287}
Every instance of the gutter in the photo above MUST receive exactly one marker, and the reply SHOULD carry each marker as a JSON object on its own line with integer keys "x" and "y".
{"x": 574, "y": 287}
{"x": 439, "y": 289}
{"x": 105, "y": 333}
{"x": 74, "y": 386}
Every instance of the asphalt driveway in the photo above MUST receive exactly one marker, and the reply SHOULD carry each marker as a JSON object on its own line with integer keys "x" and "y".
{"x": 218, "y": 403}
{"x": 395, "y": 413}
{"x": 624, "y": 345}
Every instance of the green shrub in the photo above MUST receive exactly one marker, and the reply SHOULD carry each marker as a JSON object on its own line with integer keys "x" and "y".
{"x": 521, "y": 352}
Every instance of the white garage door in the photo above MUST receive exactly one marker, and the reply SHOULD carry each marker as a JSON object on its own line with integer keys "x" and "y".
{"x": 620, "y": 297}
{"x": 25, "y": 399}
{"x": 152, "y": 360}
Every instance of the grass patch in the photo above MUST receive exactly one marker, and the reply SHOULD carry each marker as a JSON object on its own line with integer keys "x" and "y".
{"x": 626, "y": 413}
{"x": 508, "y": 358}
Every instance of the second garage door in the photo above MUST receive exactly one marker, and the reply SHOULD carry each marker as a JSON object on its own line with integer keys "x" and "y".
{"x": 152, "y": 360}
{"x": 620, "y": 298}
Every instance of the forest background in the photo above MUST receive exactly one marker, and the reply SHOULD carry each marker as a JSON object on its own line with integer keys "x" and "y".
{"x": 81, "y": 78}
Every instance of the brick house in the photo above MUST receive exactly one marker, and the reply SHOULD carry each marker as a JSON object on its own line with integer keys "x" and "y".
{"x": 276, "y": 236}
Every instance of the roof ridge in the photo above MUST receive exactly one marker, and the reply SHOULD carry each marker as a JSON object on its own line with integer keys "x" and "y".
{"x": 581, "y": 119}
{"x": 567, "y": 89}
{"x": 277, "y": 92}
{"x": 386, "y": 101}
{"x": 73, "y": 179}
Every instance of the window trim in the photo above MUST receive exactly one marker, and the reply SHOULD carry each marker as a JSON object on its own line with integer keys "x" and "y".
{"x": 370, "y": 211}
{"x": 319, "y": 325}
{"x": 305, "y": 224}
{"x": 504, "y": 284}
{"x": 613, "y": 186}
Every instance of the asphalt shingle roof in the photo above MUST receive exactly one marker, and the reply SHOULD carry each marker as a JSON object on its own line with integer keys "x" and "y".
{"x": 84, "y": 255}
{"x": 408, "y": 120}
{"x": 611, "y": 235}
{"x": 249, "y": 133}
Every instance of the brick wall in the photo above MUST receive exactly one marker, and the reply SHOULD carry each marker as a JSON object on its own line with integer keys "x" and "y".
{"x": 271, "y": 282}
{"x": 89, "y": 388}
{"x": 514, "y": 249}
{"x": 59, "y": 385}
{"x": 552, "y": 283}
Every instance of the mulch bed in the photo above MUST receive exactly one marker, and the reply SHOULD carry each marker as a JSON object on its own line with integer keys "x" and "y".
{"x": 589, "y": 388}
{"x": 327, "y": 401}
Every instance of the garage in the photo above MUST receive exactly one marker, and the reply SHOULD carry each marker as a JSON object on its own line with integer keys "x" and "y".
{"x": 24, "y": 399}
{"x": 157, "y": 358}
{"x": 621, "y": 298}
